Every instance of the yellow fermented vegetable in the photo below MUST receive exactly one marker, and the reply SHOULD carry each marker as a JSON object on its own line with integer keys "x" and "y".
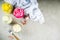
{"x": 7, "y": 8}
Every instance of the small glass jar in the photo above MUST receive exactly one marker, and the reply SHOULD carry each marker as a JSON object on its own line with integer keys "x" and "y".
{"x": 16, "y": 28}
{"x": 7, "y": 19}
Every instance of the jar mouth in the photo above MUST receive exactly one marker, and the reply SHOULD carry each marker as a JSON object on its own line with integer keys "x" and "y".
{"x": 16, "y": 28}
{"x": 7, "y": 19}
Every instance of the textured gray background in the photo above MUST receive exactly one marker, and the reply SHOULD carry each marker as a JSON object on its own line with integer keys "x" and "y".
{"x": 50, "y": 30}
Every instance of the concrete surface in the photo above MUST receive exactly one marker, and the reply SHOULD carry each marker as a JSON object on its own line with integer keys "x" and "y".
{"x": 50, "y": 30}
